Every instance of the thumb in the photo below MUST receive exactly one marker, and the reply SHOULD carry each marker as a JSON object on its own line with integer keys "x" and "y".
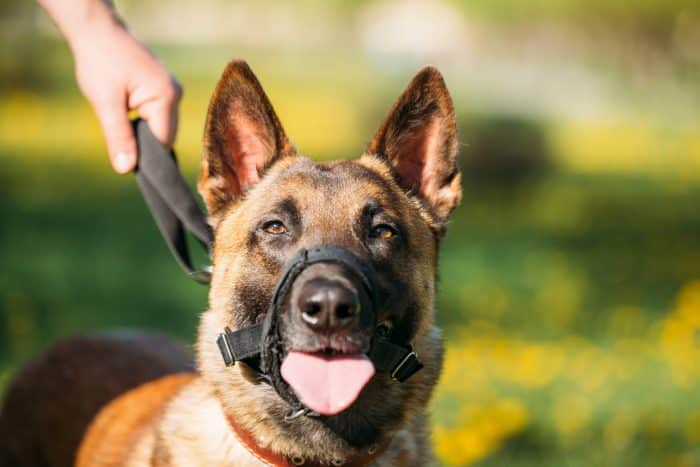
{"x": 119, "y": 136}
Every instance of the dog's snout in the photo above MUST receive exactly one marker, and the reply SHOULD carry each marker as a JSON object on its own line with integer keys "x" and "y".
{"x": 327, "y": 305}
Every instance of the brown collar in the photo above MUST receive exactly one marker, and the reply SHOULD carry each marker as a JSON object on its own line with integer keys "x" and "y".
{"x": 271, "y": 458}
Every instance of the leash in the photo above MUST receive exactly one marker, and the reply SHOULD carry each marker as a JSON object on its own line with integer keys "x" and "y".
{"x": 170, "y": 200}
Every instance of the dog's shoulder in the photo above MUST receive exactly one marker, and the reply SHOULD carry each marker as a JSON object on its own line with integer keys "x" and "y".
{"x": 125, "y": 432}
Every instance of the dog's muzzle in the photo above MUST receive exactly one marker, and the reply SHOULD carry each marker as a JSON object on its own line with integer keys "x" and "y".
{"x": 260, "y": 345}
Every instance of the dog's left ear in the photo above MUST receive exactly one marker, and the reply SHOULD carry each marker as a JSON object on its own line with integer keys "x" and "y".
{"x": 419, "y": 139}
{"x": 242, "y": 138}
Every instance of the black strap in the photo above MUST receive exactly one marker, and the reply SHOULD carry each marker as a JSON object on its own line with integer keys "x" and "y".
{"x": 323, "y": 254}
{"x": 243, "y": 344}
{"x": 170, "y": 200}
{"x": 401, "y": 361}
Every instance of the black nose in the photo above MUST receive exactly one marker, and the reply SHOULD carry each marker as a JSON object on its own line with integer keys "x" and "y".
{"x": 327, "y": 305}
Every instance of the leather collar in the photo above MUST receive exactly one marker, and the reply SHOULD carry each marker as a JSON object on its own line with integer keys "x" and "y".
{"x": 271, "y": 458}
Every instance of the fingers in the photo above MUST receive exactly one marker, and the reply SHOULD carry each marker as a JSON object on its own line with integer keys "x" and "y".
{"x": 119, "y": 135}
{"x": 162, "y": 114}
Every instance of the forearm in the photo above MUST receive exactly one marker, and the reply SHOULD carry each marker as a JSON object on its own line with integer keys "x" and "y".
{"x": 76, "y": 17}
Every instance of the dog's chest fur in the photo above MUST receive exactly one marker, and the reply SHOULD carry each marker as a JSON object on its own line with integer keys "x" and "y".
{"x": 193, "y": 430}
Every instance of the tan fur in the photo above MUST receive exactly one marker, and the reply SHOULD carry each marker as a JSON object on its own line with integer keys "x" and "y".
{"x": 249, "y": 167}
{"x": 125, "y": 431}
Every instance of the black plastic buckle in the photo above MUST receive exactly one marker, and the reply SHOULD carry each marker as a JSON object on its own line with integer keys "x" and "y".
{"x": 406, "y": 367}
{"x": 224, "y": 348}
{"x": 296, "y": 413}
{"x": 202, "y": 276}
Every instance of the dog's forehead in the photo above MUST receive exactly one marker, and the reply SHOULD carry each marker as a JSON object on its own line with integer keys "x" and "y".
{"x": 336, "y": 185}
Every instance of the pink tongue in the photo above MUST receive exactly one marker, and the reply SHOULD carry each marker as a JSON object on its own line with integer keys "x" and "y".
{"x": 327, "y": 385}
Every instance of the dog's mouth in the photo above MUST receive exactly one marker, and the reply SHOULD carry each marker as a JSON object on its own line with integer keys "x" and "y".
{"x": 328, "y": 380}
{"x": 327, "y": 328}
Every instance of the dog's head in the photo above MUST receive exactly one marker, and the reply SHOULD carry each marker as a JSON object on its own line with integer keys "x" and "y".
{"x": 389, "y": 208}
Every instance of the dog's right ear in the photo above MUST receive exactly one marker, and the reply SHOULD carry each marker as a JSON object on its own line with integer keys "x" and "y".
{"x": 419, "y": 139}
{"x": 242, "y": 138}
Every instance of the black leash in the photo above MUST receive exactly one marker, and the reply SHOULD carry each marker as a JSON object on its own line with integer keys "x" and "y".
{"x": 170, "y": 200}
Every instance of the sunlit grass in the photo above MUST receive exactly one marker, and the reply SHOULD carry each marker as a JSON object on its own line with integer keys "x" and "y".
{"x": 609, "y": 393}
{"x": 324, "y": 122}
{"x": 629, "y": 147}
{"x": 320, "y": 122}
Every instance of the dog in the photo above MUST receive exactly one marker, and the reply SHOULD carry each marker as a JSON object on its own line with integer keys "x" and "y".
{"x": 134, "y": 400}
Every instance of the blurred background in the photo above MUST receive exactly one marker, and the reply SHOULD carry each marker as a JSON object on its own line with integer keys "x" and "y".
{"x": 570, "y": 277}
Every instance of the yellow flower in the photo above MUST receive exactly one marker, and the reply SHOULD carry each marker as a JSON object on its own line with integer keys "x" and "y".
{"x": 536, "y": 365}
{"x": 688, "y": 308}
{"x": 481, "y": 429}
{"x": 680, "y": 337}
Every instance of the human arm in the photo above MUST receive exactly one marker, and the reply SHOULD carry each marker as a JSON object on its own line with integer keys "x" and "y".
{"x": 117, "y": 73}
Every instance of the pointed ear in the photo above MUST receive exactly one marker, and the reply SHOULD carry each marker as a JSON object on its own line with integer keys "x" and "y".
{"x": 419, "y": 139}
{"x": 242, "y": 138}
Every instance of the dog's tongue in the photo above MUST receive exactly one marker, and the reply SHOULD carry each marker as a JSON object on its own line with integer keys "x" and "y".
{"x": 326, "y": 384}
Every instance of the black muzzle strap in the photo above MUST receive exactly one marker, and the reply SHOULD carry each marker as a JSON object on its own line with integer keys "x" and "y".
{"x": 400, "y": 361}
{"x": 239, "y": 345}
{"x": 170, "y": 200}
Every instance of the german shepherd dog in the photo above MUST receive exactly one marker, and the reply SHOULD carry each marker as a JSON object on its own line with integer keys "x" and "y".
{"x": 135, "y": 400}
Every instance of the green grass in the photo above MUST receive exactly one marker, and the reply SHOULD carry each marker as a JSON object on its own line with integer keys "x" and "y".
{"x": 83, "y": 259}
{"x": 615, "y": 241}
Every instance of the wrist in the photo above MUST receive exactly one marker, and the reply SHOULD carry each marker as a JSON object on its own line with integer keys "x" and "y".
{"x": 83, "y": 21}
{"x": 99, "y": 29}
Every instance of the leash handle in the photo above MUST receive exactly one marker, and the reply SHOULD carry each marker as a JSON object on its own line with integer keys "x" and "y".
{"x": 170, "y": 200}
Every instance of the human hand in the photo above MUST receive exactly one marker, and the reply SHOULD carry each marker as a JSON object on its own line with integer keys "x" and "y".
{"x": 117, "y": 73}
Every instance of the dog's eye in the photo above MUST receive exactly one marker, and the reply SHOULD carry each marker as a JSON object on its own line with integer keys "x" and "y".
{"x": 383, "y": 231}
{"x": 275, "y": 228}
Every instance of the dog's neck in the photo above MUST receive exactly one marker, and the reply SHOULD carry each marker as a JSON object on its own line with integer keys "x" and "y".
{"x": 257, "y": 408}
{"x": 270, "y": 457}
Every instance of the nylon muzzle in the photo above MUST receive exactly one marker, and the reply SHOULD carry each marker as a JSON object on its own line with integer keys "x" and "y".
{"x": 261, "y": 346}
{"x": 272, "y": 348}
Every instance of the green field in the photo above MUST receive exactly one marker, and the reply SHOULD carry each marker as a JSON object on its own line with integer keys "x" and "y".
{"x": 570, "y": 299}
